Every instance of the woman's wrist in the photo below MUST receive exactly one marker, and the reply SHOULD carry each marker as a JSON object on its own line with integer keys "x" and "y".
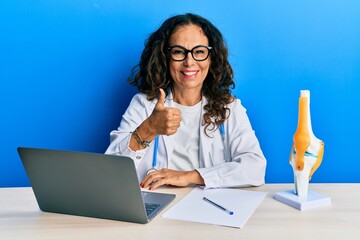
{"x": 141, "y": 137}
{"x": 146, "y": 132}
{"x": 196, "y": 178}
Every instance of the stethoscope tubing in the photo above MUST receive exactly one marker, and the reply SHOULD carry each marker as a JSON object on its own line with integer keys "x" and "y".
{"x": 154, "y": 163}
{"x": 156, "y": 146}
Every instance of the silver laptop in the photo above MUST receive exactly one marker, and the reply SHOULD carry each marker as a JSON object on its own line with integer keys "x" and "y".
{"x": 90, "y": 184}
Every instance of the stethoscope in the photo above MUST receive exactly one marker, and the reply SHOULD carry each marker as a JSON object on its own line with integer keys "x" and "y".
{"x": 156, "y": 147}
{"x": 154, "y": 163}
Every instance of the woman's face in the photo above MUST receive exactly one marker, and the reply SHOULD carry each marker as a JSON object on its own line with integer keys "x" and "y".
{"x": 189, "y": 73}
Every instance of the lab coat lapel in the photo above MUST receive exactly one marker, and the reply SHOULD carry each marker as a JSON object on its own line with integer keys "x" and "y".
{"x": 168, "y": 140}
{"x": 205, "y": 141}
{"x": 169, "y": 147}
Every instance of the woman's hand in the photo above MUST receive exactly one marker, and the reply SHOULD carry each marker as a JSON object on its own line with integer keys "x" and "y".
{"x": 164, "y": 120}
{"x": 171, "y": 177}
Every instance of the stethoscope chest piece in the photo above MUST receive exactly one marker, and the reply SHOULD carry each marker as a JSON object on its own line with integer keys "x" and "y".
{"x": 150, "y": 171}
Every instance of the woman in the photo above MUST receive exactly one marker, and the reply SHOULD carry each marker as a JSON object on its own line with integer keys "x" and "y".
{"x": 204, "y": 135}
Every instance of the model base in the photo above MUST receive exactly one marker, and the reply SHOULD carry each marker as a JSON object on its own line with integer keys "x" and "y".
{"x": 313, "y": 201}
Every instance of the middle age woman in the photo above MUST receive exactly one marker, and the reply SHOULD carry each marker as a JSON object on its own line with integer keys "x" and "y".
{"x": 184, "y": 122}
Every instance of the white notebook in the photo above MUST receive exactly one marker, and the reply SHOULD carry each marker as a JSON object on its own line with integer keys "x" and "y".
{"x": 193, "y": 207}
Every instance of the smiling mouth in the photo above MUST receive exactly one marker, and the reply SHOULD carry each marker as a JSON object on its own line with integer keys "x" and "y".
{"x": 189, "y": 73}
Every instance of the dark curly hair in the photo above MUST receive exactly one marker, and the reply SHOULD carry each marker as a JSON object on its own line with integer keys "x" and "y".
{"x": 152, "y": 71}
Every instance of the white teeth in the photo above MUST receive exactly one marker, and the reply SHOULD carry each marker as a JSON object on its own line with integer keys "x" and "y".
{"x": 189, "y": 73}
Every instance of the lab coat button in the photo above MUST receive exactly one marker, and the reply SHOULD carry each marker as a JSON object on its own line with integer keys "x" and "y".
{"x": 138, "y": 157}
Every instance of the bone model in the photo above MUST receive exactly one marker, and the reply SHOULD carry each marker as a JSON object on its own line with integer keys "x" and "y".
{"x": 307, "y": 151}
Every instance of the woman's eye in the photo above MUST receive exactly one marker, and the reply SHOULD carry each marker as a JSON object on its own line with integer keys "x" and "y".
{"x": 177, "y": 52}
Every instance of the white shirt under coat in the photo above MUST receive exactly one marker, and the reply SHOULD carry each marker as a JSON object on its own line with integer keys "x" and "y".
{"x": 240, "y": 164}
{"x": 185, "y": 155}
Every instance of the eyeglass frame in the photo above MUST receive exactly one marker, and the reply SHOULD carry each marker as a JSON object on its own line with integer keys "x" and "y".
{"x": 189, "y": 51}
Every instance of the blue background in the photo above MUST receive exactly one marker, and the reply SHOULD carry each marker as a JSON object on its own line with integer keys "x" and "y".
{"x": 64, "y": 68}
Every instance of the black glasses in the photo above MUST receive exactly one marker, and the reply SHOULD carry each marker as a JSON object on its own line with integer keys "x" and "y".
{"x": 199, "y": 53}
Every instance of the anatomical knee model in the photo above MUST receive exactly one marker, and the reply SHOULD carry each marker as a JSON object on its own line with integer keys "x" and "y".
{"x": 307, "y": 151}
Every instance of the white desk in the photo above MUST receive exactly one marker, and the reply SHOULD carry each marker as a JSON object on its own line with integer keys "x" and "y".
{"x": 20, "y": 218}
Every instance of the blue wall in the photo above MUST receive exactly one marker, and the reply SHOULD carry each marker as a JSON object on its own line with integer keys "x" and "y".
{"x": 64, "y": 67}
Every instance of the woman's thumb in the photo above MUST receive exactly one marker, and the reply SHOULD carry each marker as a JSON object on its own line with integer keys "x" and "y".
{"x": 161, "y": 99}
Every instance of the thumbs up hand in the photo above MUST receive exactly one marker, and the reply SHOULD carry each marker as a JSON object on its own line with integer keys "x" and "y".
{"x": 164, "y": 120}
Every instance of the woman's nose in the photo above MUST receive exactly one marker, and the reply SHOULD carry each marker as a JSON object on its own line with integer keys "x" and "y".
{"x": 189, "y": 60}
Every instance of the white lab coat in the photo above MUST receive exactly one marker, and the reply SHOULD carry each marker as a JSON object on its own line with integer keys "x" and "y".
{"x": 240, "y": 164}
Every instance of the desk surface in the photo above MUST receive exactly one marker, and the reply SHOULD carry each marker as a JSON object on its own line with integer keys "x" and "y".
{"x": 20, "y": 218}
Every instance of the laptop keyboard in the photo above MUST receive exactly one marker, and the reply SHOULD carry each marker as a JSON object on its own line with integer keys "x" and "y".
{"x": 150, "y": 207}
